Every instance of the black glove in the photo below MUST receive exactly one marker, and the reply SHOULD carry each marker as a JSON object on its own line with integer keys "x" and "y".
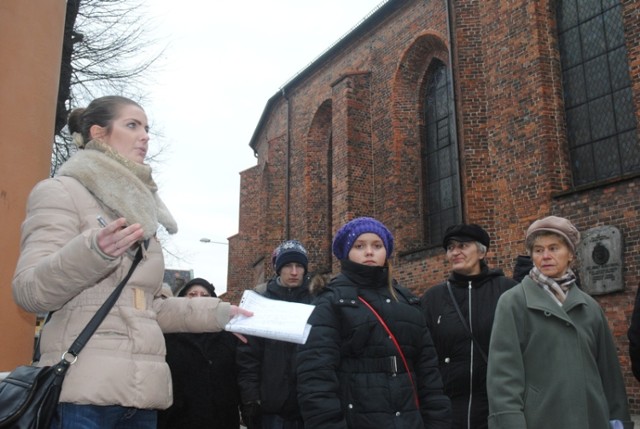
{"x": 251, "y": 415}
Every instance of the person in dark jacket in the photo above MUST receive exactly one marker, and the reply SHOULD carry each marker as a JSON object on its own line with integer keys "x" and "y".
{"x": 634, "y": 337}
{"x": 522, "y": 267}
{"x": 266, "y": 370}
{"x": 352, "y": 372}
{"x": 203, "y": 372}
{"x": 476, "y": 289}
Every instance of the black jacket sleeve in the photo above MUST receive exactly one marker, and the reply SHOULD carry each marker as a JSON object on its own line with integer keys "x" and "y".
{"x": 634, "y": 337}
{"x": 249, "y": 363}
{"x": 435, "y": 406}
{"x": 318, "y": 360}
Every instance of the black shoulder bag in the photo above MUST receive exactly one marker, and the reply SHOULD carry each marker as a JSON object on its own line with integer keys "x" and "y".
{"x": 29, "y": 394}
{"x": 464, "y": 323}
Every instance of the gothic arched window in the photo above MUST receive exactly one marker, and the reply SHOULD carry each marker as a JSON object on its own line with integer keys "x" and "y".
{"x": 442, "y": 206}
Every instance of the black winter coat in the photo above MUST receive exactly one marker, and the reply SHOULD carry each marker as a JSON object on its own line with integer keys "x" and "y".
{"x": 634, "y": 337}
{"x": 205, "y": 388}
{"x": 266, "y": 370}
{"x": 522, "y": 267}
{"x": 477, "y": 297}
{"x": 350, "y": 374}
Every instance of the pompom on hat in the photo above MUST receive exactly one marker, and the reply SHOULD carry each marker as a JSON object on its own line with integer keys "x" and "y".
{"x": 274, "y": 255}
{"x": 349, "y": 233}
{"x": 291, "y": 251}
{"x": 557, "y": 225}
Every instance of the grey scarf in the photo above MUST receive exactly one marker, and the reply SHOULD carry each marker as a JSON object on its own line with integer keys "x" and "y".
{"x": 125, "y": 187}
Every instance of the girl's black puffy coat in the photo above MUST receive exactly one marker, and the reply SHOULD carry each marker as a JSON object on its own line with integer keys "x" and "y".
{"x": 344, "y": 376}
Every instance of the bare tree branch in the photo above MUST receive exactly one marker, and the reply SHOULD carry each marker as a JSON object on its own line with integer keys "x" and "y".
{"x": 107, "y": 50}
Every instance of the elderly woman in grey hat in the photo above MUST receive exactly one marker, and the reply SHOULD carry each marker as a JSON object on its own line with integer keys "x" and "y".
{"x": 552, "y": 359}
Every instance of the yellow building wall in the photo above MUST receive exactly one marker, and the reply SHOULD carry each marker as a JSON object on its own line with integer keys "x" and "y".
{"x": 31, "y": 35}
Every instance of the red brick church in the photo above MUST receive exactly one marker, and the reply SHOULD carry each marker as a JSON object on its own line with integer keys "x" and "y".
{"x": 430, "y": 113}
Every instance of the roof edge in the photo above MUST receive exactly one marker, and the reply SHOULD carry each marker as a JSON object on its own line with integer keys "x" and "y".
{"x": 371, "y": 20}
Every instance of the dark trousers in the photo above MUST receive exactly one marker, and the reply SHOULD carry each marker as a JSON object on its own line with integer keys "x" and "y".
{"x": 274, "y": 421}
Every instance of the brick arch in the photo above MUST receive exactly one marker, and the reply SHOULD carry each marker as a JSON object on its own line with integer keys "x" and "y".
{"x": 409, "y": 84}
{"x": 317, "y": 185}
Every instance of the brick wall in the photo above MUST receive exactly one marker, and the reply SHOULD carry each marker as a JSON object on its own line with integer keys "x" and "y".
{"x": 343, "y": 139}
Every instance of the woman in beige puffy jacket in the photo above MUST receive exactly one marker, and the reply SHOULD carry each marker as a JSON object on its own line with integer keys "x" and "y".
{"x": 69, "y": 264}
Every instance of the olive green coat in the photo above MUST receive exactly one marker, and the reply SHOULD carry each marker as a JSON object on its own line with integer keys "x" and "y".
{"x": 553, "y": 367}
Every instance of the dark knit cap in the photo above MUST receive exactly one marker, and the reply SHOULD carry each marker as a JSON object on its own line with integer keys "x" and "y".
{"x": 349, "y": 233}
{"x": 198, "y": 282}
{"x": 466, "y": 232}
{"x": 291, "y": 251}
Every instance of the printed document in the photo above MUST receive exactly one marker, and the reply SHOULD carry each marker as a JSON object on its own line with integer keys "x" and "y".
{"x": 274, "y": 319}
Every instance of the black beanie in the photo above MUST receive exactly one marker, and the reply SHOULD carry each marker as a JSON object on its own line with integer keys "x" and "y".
{"x": 198, "y": 282}
{"x": 291, "y": 251}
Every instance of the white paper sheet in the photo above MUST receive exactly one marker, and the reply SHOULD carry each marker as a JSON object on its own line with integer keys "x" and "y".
{"x": 274, "y": 319}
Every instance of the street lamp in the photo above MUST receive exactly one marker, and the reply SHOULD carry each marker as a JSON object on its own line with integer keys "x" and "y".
{"x": 207, "y": 240}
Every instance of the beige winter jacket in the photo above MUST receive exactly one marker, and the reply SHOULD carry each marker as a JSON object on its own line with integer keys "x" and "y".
{"x": 61, "y": 270}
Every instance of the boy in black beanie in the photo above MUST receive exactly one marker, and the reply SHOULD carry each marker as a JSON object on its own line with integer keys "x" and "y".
{"x": 266, "y": 370}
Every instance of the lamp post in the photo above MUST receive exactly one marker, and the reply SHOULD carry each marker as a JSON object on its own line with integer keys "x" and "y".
{"x": 212, "y": 271}
{"x": 208, "y": 240}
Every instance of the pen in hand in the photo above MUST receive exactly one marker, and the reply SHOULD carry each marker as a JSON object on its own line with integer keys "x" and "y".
{"x": 115, "y": 239}
{"x": 101, "y": 221}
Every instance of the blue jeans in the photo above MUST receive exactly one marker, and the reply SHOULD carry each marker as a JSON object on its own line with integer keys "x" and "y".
{"x": 274, "y": 421}
{"x": 74, "y": 416}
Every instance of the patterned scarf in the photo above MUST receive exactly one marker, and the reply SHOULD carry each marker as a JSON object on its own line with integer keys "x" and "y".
{"x": 556, "y": 287}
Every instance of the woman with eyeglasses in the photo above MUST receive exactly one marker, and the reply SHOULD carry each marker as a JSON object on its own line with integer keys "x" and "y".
{"x": 203, "y": 371}
{"x": 459, "y": 314}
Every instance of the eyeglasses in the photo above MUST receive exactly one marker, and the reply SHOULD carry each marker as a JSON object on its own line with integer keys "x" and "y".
{"x": 197, "y": 293}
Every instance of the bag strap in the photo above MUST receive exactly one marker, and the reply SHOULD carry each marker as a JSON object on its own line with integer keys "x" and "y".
{"x": 102, "y": 312}
{"x": 395, "y": 342}
{"x": 464, "y": 323}
{"x": 36, "y": 349}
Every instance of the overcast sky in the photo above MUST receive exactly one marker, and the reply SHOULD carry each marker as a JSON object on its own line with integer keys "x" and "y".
{"x": 223, "y": 62}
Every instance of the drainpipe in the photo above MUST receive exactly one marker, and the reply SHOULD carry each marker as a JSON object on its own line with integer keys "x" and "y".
{"x": 287, "y": 200}
{"x": 451, "y": 25}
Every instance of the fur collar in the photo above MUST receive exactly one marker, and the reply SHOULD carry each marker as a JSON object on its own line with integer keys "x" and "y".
{"x": 124, "y": 187}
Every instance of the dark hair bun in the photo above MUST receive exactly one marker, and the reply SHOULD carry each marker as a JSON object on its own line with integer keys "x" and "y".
{"x": 75, "y": 120}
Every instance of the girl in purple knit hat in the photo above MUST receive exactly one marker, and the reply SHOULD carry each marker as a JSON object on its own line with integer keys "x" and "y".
{"x": 369, "y": 361}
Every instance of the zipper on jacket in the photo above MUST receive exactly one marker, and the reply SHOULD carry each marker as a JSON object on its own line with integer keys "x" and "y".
{"x": 470, "y": 361}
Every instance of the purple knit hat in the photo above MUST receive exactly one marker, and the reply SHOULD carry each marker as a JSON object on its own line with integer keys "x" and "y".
{"x": 347, "y": 235}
